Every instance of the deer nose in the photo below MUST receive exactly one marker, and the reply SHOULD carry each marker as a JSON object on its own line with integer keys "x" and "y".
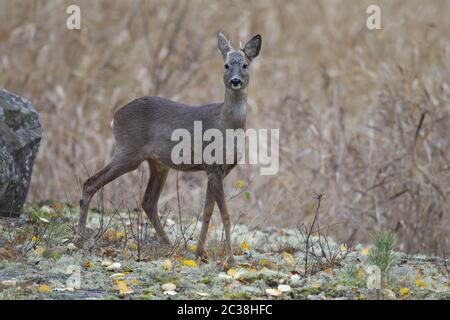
{"x": 235, "y": 82}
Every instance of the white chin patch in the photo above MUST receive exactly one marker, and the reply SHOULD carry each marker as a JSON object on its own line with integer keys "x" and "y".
{"x": 236, "y": 87}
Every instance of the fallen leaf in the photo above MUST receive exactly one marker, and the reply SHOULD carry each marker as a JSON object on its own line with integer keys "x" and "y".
{"x": 43, "y": 288}
{"x": 135, "y": 282}
{"x": 89, "y": 265}
{"x": 343, "y": 248}
{"x": 167, "y": 265}
{"x": 122, "y": 286}
{"x": 288, "y": 258}
{"x": 419, "y": 282}
{"x": 404, "y": 291}
{"x": 39, "y": 251}
{"x": 120, "y": 235}
{"x": 245, "y": 246}
{"x": 8, "y": 253}
{"x": 239, "y": 184}
{"x": 202, "y": 294}
{"x": 118, "y": 275}
{"x": 190, "y": 263}
{"x": 365, "y": 251}
{"x": 329, "y": 270}
{"x": 360, "y": 272}
{"x": 231, "y": 272}
{"x": 132, "y": 246}
{"x": 315, "y": 285}
{"x": 193, "y": 248}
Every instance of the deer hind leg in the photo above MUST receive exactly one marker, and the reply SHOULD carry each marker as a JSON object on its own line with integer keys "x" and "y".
{"x": 158, "y": 176}
{"x": 216, "y": 180}
{"x": 119, "y": 165}
{"x": 207, "y": 213}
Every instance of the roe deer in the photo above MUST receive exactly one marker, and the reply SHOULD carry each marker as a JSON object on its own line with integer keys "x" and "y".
{"x": 143, "y": 130}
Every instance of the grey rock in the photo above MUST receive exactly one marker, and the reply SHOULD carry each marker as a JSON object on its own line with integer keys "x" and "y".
{"x": 20, "y": 136}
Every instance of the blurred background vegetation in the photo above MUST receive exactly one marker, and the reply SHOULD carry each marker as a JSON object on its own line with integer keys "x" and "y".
{"x": 364, "y": 116}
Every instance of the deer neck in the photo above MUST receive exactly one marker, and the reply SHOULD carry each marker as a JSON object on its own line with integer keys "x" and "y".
{"x": 234, "y": 109}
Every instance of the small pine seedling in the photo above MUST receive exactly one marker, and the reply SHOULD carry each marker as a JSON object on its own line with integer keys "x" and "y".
{"x": 382, "y": 254}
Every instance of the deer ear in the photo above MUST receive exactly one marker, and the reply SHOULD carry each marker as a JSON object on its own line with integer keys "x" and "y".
{"x": 223, "y": 44}
{"x": 253, "y": 47}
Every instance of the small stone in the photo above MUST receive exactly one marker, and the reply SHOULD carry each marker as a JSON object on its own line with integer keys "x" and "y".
{"x": 273, "y": 292}
{"x": 69, "y": 289}
{"x": 284, "y": 288}
{"x": 170, "y": 223}
{"x": 168, "y": 286}
{"x": 389, "y": 294}
{"x": 47, "y": 209}
{"x": 114, "y": 266}
{"x": 9, "y": 283}
{"x": 106, "y": 263}
{"x": 170, "y": 292}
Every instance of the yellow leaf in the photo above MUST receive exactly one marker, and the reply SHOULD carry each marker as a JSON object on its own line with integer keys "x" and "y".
{"x": 89, "y": 265}
{"x": 167, "y": 265}
{"x": 245, "y": 246}
{"x": 404, "y": 292}
{"x": 343, "y": 248}
{"x": 123, "y": 287}
{"x": 135, "y": 282}
{"x": 264, "y": 262}
{"x": 39, "y": 251}
{"x": 288, "y": 258}
{"x": 365, "y": 251}
{"x": 193, "y": 248}
{"x": 239, "y": 184}
{"x": 120, "y": 235}
{"x": 35, "y": 238}
{"x": 190, "y": 263}
{"x": 360, "y": 272}
{"x": 132, "y": 246}
{"x": 419, "y": 282}
{"x": 43, "y": 288}
{"x": 231, "y": 272}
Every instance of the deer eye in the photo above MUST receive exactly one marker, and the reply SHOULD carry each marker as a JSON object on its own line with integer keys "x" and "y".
{"x": 227, "y": 66}
{"x": 245, "y": 66}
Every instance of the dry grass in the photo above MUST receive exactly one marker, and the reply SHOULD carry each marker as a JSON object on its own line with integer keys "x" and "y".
{"x": 348, "y": 101}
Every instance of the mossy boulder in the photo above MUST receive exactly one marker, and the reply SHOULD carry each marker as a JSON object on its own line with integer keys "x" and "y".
{"x": 20, "y": 136}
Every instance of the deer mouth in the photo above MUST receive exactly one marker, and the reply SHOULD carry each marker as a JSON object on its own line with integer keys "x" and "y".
{"x": 236, "y": 86}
